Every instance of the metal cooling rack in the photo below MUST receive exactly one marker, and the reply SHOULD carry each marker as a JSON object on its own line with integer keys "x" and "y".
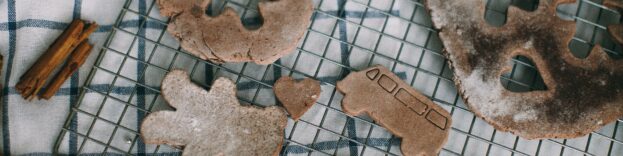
{"x": 469, "y": 136}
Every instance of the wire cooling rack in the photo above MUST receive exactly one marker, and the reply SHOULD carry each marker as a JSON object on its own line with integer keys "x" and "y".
{"x": 123, "y": 86}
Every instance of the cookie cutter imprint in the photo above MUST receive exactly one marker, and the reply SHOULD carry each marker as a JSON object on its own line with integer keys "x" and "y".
{"x": 582, "y": 94}
{"x": 393, "y": 104}
{"x": 413, "y": 103}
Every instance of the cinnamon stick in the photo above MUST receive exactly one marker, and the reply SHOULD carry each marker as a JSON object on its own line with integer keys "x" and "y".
{"x": 87, "y": 32}
{"x": 33, "y": 80}
{"x": 75, "y": 60}
{"x": 36, "y": 76}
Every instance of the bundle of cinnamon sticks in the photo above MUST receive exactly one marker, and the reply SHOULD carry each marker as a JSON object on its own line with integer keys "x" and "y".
{"x": 72, "y": 46}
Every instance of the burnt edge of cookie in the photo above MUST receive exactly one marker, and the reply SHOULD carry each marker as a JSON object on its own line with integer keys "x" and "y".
{"x": 498, "y": 126}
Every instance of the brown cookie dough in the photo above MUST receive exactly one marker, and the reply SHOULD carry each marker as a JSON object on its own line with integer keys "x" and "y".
{"x": 392, "y": 103}
{"x": 614, "y": 4}
{"x": 297, "y": 97}
{"x": 583, "y": 94}
{"x": 214, "y": 122}
{"x": 615, "y": 30}
{"x": 224, "y": 39}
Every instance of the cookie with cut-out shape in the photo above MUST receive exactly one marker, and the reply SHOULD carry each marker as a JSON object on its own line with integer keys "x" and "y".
{"x": 581, "y": 95}
{"x": 214, "y": 122}
{"x": 393, "y": 104}
{"x": 223, "y": 38}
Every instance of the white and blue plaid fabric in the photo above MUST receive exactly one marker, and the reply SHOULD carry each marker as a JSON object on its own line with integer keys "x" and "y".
{"x": 341, "y": 38}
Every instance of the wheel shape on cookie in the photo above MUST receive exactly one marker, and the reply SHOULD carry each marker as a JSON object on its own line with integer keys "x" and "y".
{"x": 223, "y": 38}
{"x": 393, "y": 104}
{"x": 213, "y": 122}
{"x": 582, "y": 95}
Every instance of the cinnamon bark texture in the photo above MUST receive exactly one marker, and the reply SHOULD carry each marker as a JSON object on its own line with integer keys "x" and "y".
{"x": 35, "y": 78}
{"x": 77, "y": 58}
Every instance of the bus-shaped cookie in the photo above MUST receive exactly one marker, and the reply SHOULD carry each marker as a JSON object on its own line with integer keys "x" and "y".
{"x": 395, "y": 105}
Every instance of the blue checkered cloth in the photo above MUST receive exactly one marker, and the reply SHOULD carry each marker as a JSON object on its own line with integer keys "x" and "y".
{"x": 28, "y": 27}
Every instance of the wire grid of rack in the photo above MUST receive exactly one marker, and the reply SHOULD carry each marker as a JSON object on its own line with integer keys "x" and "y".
{"x": 469, "y": 134}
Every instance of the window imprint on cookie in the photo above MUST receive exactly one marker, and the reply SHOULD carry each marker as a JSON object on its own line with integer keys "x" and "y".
{"x": 437, "y": 119}
{"x": 372, "y": 74}
{"x": 411, "y": 101}
{"x": 387, "y": 83}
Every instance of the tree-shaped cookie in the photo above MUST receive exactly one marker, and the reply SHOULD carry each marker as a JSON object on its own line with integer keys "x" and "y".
{"x": 214, "y": 122}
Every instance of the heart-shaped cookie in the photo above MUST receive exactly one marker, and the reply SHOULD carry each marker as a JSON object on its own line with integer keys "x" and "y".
{"x": 297, "y": 97}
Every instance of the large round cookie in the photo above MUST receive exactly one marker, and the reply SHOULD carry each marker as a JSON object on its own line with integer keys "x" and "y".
{"x": 582, "y": 95}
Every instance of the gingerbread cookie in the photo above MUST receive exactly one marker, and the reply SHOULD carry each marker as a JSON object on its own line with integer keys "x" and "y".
{"x": 297, "y": 97}
{"x": 393, "y": 104}
{"x": 214, "y": 122}
{"x": 582, "y": 95}
{"x": 224, "y": 39}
